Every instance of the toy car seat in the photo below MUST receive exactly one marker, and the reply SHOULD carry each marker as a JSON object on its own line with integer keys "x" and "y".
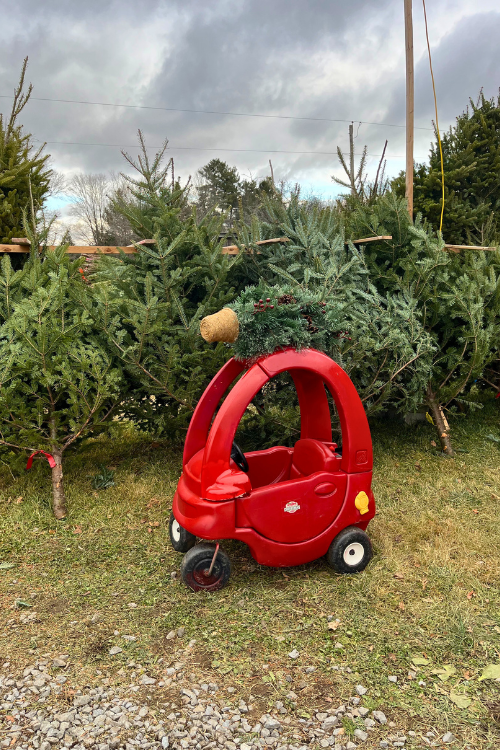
{"x": 310, "y": 456}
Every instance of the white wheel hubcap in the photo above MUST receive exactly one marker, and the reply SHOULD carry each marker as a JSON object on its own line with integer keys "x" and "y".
{"x": 354, "y": 553}
{"x": 176, "y": 531}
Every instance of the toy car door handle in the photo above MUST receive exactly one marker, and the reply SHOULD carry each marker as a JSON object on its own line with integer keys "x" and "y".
{"x": 325, "y": 489}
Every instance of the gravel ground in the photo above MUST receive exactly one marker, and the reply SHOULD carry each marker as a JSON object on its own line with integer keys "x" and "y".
{"x": 40, "y": 709}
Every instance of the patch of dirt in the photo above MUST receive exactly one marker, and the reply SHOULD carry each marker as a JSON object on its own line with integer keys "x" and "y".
{"x": 494, "y": 710}
{"x": 167, "y": 646}
{"x": 13, "y": 663}
{"x": 262, "y": 694}
{"x": 158, "y": 611}
{"x": 319, "y": 691}
{"x": 261, "y": 690}
{"x": 159, "y": 698}
{"x": 202, "y": 659}
{"x": 55, "y": 606}
{"x": 98, "y": 645}
{"x": 280, "y": 585}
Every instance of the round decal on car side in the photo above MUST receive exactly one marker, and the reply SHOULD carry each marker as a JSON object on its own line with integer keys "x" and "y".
{"x": 291, "y": 507}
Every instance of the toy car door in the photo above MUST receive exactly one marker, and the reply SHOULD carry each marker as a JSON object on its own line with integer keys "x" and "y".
{"x": 294, "y": 510}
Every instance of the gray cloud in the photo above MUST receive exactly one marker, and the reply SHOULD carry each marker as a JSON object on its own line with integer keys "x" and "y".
{"x": 316, "y": 58}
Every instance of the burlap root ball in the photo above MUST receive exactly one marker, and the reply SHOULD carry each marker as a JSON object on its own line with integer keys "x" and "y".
{"x": 221, "y": 326}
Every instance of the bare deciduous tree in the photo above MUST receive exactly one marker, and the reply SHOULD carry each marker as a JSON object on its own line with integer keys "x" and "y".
{"x": 95, "y": 200}
{"x": 58, "y": 184}
{"x": 90, "y": 194}
{"x": 119, "y": 227}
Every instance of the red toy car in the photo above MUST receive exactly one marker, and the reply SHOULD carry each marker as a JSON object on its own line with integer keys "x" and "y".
{"x": 290, "y": 505}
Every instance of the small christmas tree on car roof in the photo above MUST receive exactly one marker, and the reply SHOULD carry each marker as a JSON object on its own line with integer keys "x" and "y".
{"x": 379, "y": 342}
{"x": 265, "y": 319}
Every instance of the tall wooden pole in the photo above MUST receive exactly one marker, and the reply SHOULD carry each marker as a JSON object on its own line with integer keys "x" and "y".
{"x": 351, "y": 158}
{"x": 409, "y": 104}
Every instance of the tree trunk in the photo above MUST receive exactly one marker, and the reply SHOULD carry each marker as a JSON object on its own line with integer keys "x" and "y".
{"x": 58, "y": 496}
{"x": 439, "y": 420}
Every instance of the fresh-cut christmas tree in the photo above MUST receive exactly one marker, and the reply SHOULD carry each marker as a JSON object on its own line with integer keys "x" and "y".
{"x": 269, "y": 318}
{"x": 458, "y": 303}
{"x": 58, "y": 383}
{"x": 149, "y": 304}
{"x": 379, "y": 340}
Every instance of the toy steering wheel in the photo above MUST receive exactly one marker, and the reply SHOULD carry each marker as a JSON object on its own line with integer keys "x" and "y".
{"x": 239, "y": 458}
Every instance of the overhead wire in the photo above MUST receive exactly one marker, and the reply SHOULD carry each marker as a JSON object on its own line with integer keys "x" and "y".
{"x": 437, "y": 119}
{"x": 211, "y": 112}
{"x": 200, "y": 148}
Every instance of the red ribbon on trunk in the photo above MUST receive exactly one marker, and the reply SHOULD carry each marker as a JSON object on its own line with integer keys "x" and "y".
{"x": 48, "y": 456}
{"x": 498, "y": 395}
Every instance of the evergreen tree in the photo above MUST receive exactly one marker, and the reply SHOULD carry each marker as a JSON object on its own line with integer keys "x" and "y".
{"x": 149, "y": 304}
{"x": 24, "y": 176}
{"x": 57, "y": 381}
{"x": 471, "y": 156}
{"x": 120, "y": 230}
{"x": 458, "y": 299}
{"x": 219, "y": 187}
{"x": 141, "y": 201}
{"x": 378, "y": 340}
{"x": 252, "y": 198}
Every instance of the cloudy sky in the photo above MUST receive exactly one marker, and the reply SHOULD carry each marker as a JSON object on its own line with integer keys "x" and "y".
{"x": 325, "y": 59}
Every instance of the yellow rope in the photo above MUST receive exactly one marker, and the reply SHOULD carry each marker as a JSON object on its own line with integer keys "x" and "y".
{"x": 437, "y": 120}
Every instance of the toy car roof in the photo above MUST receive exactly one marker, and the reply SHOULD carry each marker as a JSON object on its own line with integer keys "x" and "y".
{"x": 311, "y": 371}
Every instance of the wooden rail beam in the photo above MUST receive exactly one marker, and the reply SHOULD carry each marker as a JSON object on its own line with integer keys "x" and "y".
{"x": 457, "y": 248}
{"x": 22, "y": 245}
{"x": 14, "y": 248}
{"x": 101, "y": 250}
{"x": 234, "y": 250}
{"x": 370, "y": 239}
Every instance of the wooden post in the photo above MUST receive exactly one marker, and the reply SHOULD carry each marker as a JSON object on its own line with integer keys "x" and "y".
{"x": 272, "y": 172}
{"x": 409, "y": 104}
{"x": 352, "y": 176}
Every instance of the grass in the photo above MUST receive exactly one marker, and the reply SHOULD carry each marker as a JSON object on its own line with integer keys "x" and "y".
{"x": 431, "y": 593}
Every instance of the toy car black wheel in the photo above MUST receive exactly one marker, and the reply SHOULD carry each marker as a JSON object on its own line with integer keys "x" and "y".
{"x": 201, "y": 572}
{"x": 350, "y": 551}
{"x": 181, "y": 539}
